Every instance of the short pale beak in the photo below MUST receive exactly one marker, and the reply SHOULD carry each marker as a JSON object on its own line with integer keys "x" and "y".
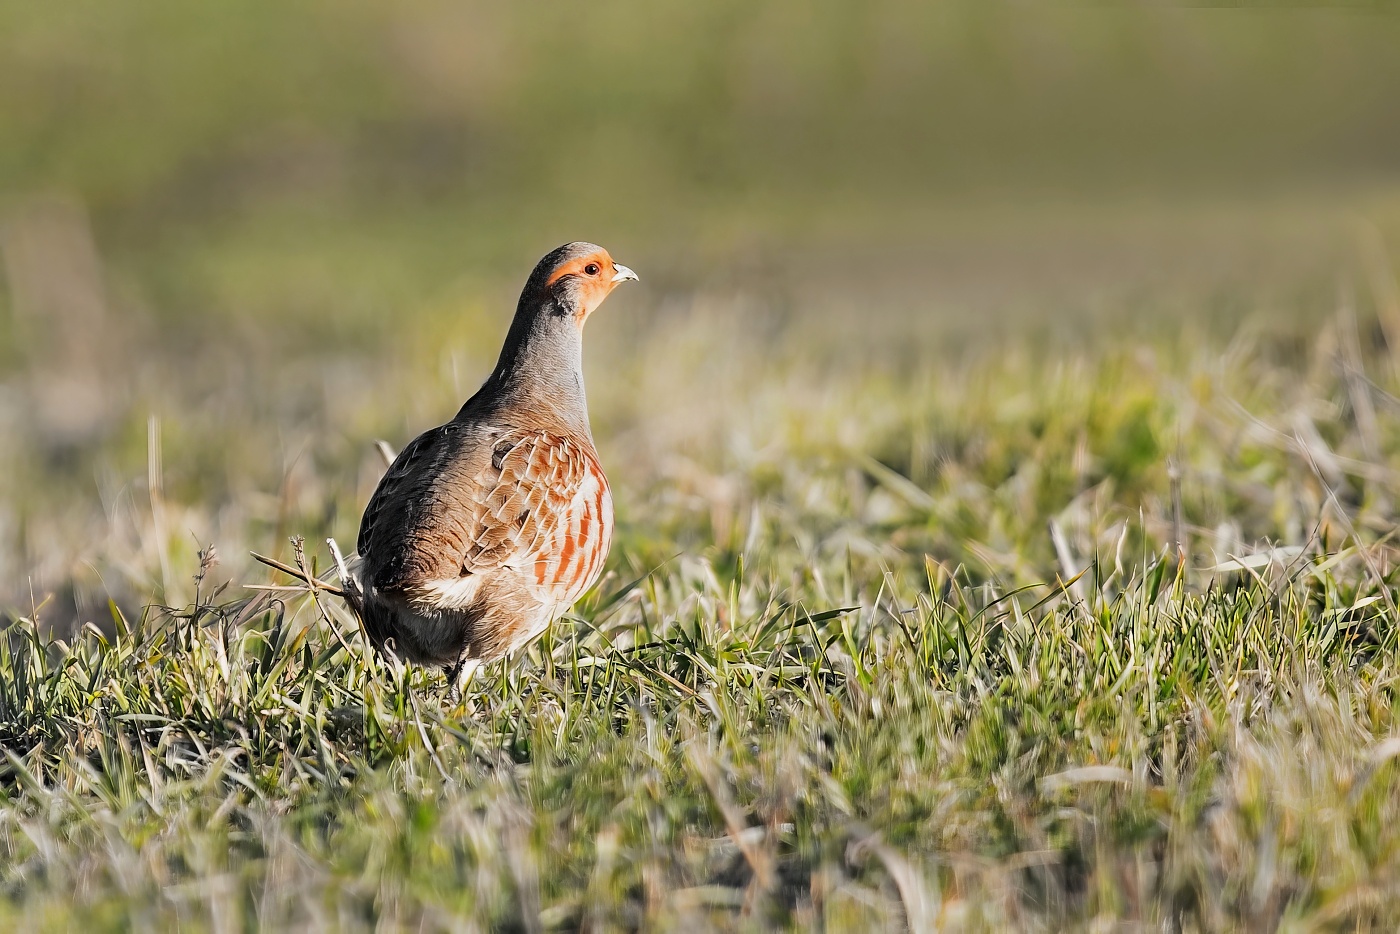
{"x": 622, "y": 273}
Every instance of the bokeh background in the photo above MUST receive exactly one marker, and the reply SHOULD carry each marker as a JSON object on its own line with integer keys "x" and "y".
{"x": 241, "y": 241}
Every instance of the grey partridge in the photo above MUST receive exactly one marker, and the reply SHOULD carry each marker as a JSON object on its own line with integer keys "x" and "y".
{"x": 487, "y": 528}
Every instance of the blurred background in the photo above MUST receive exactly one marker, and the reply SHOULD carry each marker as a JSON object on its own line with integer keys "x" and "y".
{"x": 241, "y": 241}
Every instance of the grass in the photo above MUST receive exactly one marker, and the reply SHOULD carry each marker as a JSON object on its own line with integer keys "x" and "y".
{"x": 878, "y": 647}
{"x": 1006, "y": 493}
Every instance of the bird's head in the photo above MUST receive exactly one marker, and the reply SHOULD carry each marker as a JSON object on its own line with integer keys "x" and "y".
{"x": 574, "y": 279}
{"x": 541, "y": 362}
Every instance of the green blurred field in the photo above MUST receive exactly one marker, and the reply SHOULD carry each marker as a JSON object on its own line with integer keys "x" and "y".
{"x": 1005, "y": 437}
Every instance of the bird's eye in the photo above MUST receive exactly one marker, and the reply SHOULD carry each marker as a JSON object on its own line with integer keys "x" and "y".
{"x": 591, "y": 269}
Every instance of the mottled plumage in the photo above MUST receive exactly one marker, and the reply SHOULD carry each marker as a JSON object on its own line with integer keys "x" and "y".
{"x": 485, "y": 529}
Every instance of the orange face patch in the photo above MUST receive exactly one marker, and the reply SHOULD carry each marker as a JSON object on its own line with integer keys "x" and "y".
{"x": 594, "y": 273}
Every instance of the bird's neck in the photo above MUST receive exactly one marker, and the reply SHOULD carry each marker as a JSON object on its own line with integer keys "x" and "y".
{"x": 539, "y": 375}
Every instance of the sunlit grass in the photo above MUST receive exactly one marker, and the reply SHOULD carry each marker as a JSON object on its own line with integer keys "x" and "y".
{"x": 1004, "y": 440}
{"x": 875, "y": 648}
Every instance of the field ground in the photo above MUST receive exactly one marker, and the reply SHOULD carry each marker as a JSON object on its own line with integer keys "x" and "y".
{"x": 896, "y": 632}
{"x": 1005, "y": 436}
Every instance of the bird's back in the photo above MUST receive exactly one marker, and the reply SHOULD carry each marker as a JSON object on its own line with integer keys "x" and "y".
{"x": 416, "y": 524}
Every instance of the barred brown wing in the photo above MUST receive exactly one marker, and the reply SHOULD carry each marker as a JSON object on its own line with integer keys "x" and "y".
{"x": 548, "y": 514}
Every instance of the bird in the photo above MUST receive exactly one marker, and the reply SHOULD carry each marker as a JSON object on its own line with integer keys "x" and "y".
{"x": 486, "y": 528}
